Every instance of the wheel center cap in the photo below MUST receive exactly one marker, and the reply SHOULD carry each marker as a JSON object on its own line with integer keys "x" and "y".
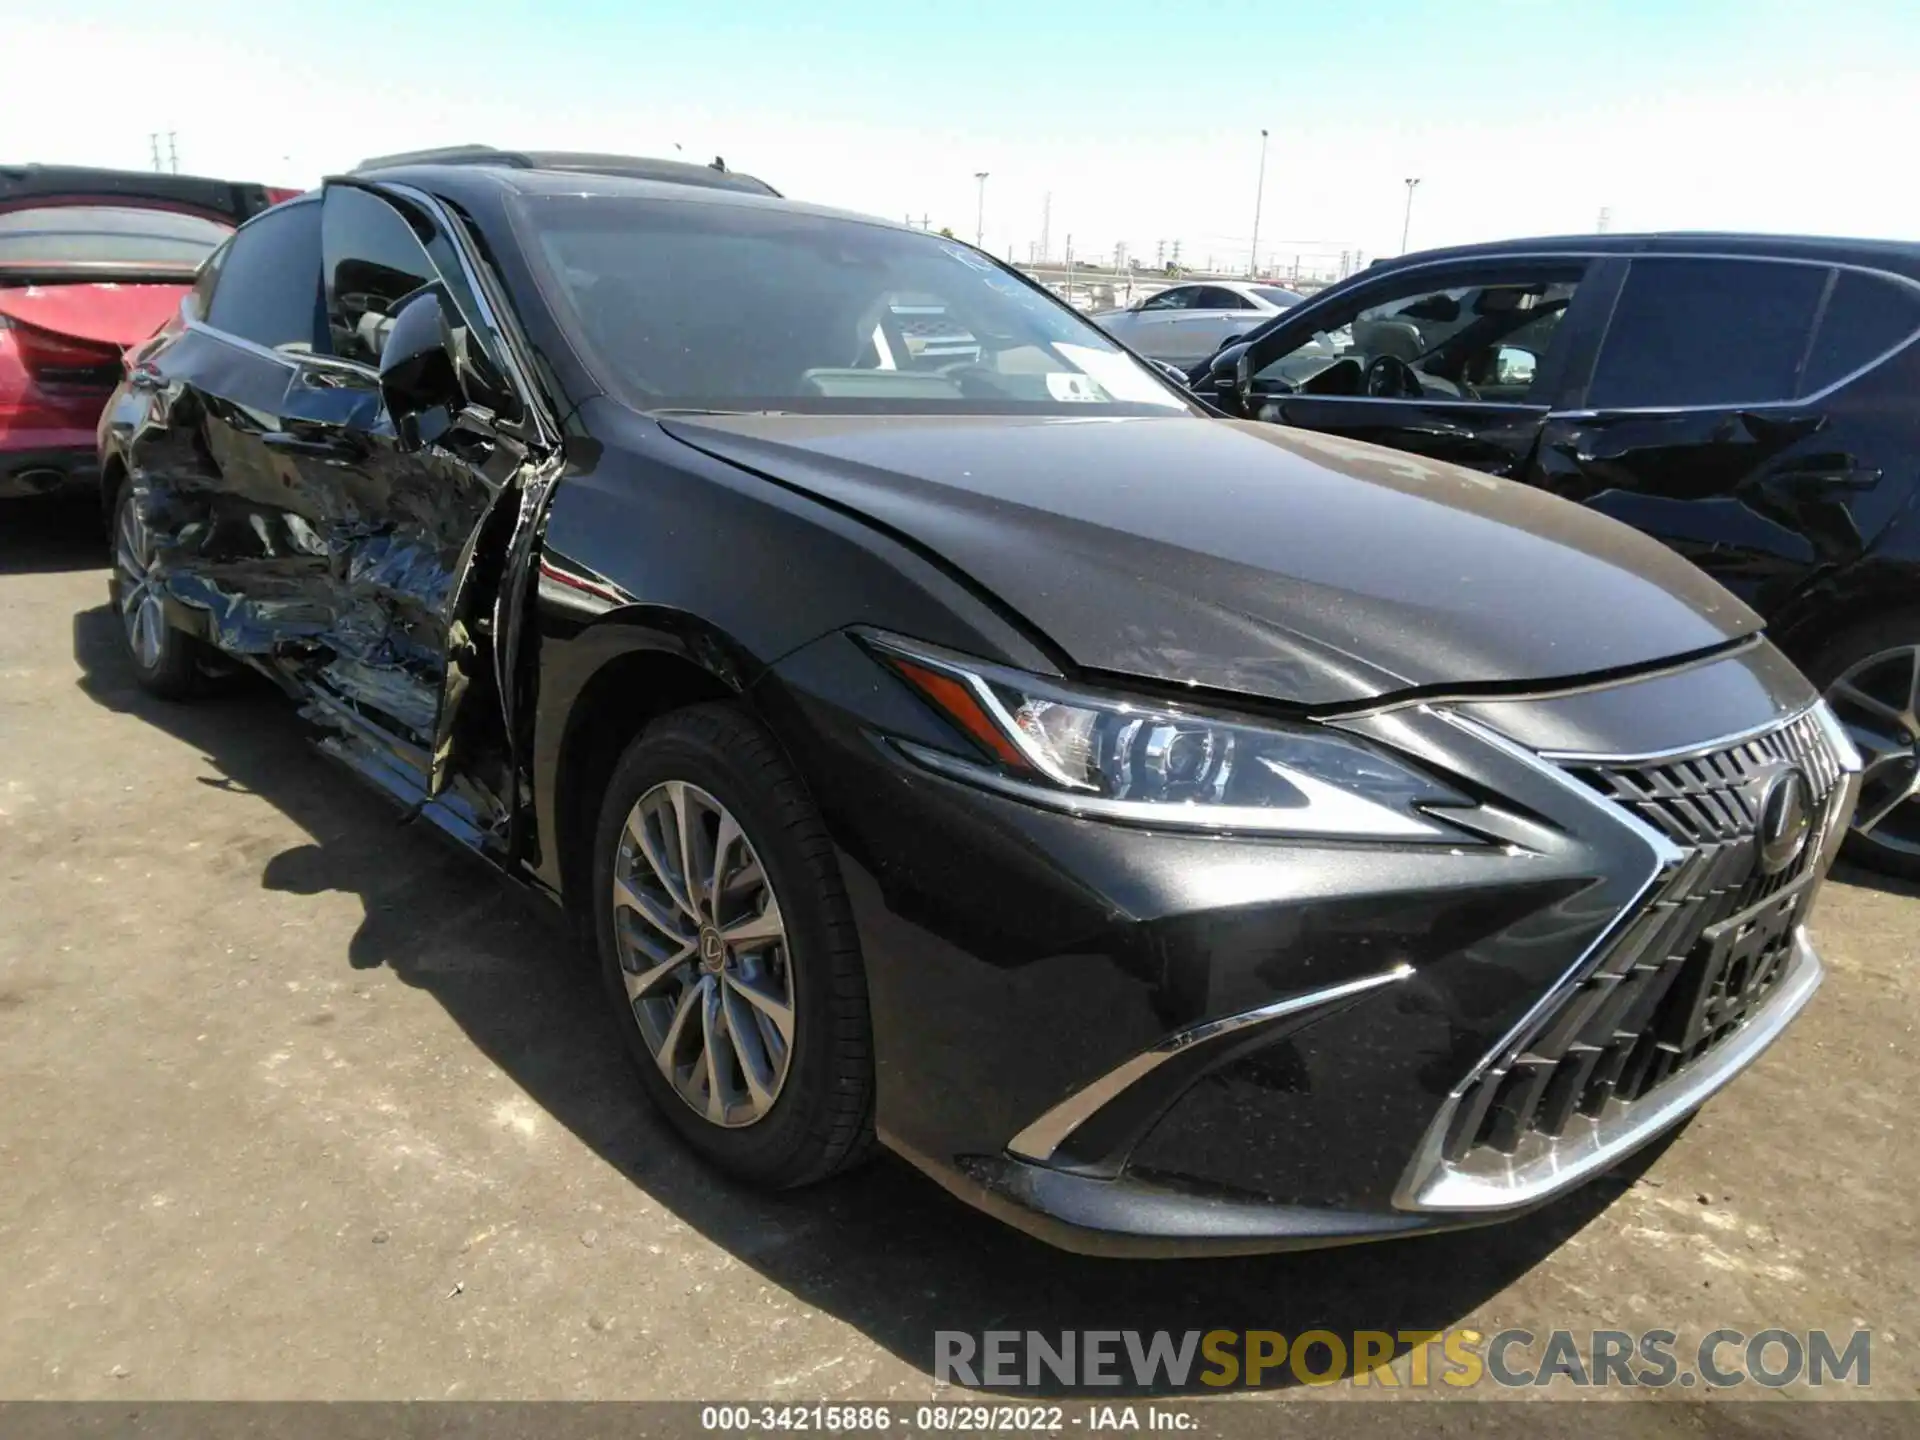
{"x": 713, "y": 950}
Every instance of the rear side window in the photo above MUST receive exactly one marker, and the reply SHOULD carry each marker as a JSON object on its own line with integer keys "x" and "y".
{"x": 1179, "y": 298}
{"x": 107, "y": 235}
{"x": 1866, "y": 316}
{"x": 1707, "y": 332}
{"x": 267, "y": 289}
{"x": 1214, "y": 298}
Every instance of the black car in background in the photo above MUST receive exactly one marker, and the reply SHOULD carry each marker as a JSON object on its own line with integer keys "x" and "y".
{"x": 1752, "y": 400}
{"x": 1171, "y": 833}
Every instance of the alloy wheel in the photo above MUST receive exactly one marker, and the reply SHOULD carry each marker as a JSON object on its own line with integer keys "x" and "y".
{"x": 704, "y": 954}
{"x": 1878, "y": 700}
{"x": 140, "y": 609}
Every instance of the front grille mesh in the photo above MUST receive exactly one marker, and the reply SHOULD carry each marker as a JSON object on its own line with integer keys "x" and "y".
{"x": 1691, "y": 965}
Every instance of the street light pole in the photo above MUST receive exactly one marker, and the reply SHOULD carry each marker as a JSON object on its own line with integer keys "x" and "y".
{"x": 1406, "y": 225}
{"x": 980, "y": 216}
{"x": 1259, "y": 194}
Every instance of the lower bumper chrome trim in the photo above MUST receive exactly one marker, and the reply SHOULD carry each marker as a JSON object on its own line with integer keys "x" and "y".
{"x": 1041, "y": 1140}
{"x": 1590, "y": 1146}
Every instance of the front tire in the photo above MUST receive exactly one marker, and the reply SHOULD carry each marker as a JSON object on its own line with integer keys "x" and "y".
{"x": 729, "y": 953}
{"x": 165, "y": 661}
{"x": 1870, "y": 675}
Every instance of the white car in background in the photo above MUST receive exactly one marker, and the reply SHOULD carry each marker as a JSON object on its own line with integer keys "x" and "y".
{"x": 1184, "y": 324}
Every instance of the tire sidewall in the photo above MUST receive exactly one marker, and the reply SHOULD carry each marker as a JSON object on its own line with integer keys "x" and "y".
{"x": 172, "y": 674}
{"x": 669, "y": 751}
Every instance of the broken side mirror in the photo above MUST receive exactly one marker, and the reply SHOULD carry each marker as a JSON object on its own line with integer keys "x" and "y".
{"x": 419, "y": 379}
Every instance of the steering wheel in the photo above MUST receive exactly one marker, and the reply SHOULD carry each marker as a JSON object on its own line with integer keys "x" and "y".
{"x": 1388, "y": 377}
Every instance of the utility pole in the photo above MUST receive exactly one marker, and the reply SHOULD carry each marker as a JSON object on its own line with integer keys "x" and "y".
{"x": 153, "y": 144}
{"x": 1606, "y": 220}
{"x": 1068, "y": 296}
{"x": 173, "y": 153}
{"x": 1046, "y": 226}
{"x": 980, "y": 215}
{"x": 1175, "y": 259}
{"x": 1406, "y": 225}
{"x": 1259, "y": 193}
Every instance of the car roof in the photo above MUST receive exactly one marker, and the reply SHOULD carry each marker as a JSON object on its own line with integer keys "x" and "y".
{"x": 715, "y": 176}
{"x": 231, "y": 200}
{"x": 461, "y": 180}
{"x": 1902, "y": 256}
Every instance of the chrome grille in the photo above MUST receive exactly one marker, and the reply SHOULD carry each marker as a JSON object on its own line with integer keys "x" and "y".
{"x": 1690, "y": 967}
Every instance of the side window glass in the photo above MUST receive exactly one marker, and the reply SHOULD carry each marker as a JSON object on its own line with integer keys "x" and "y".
{"x": 267, "y": 287}
{"x": 1866, "y": 316}
{"x": 1707, "y": 332}
{"x": 375, "y": 257}
{"x": 373, "y": 261}
{"x": 1461, "y": 342}
{"x": 1174, "y": 299}
{"x": 1214, "y": 298}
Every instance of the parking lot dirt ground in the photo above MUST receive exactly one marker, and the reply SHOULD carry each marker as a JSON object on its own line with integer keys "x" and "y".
{"x": 296, "y": 1102}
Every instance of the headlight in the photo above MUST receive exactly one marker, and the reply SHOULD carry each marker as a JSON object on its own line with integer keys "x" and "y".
{"x": 1155, "y": 764}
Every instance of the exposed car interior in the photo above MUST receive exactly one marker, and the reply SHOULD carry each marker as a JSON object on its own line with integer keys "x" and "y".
{"x": 1467, "y": 343}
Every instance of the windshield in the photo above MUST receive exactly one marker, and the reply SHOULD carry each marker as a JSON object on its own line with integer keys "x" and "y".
{"x": 107, "y": 234}
{"x": 690, "y": 304}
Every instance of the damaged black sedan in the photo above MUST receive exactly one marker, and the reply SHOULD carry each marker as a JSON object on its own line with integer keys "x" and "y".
{"x": 1173, "y": 834}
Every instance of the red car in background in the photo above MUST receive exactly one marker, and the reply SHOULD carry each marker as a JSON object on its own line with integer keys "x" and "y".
{"x": 91, "y": 262}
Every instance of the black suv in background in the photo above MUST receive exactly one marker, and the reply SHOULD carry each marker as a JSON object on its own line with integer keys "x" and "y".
{"x": 1753, "y": 401}
{"x": 1171, "y": 833}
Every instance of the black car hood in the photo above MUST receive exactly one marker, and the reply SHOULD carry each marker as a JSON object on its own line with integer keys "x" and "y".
{"x": 1251, "y": 558}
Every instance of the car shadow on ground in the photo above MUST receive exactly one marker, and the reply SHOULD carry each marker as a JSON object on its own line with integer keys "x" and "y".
{"x": 885, "y": 1249}
{"x": 51, "y": 534}
{"x": 1848, "y": 872}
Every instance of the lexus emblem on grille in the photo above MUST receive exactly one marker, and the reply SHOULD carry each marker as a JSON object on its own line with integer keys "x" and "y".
{"x": 1786, "y": 817}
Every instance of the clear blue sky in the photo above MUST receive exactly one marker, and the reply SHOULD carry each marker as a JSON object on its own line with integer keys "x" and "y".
{"x": 1141, "y": 120}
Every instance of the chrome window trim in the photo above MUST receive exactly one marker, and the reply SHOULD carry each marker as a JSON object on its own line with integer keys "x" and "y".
{"x": 1042, "y": 1139}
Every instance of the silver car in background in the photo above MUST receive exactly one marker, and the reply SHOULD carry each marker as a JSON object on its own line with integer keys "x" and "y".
{"x": 1184, "y": 324}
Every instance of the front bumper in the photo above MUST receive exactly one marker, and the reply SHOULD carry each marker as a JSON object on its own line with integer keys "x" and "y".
{"x": 1138, "y": 1043}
